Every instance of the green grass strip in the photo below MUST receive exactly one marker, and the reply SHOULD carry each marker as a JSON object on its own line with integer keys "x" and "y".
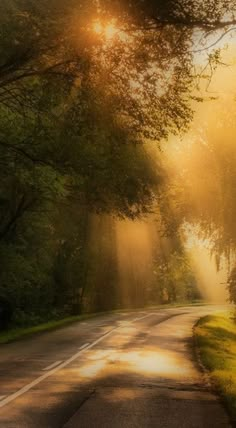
{"x": 216, "y": 341}
{"x": 21, "y": 332}
{"x": 14, "y": 334}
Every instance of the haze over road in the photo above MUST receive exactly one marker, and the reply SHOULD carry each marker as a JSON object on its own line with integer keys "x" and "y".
{"x": 133, "y": 369}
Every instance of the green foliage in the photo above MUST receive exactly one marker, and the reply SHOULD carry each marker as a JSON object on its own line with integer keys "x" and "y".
{"x": 77, "y": 117}
{"x": 232, "y": 285}
{"x": 216, "y": 342}
{"x": 26, "y": 285}
{"x": 174, "y": 278}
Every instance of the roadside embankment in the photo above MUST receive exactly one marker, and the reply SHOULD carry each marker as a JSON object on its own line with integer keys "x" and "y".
{"x": 215, "y": 338}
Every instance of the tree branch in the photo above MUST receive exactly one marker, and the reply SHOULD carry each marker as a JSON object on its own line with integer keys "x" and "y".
{"x": 22, "y": 152}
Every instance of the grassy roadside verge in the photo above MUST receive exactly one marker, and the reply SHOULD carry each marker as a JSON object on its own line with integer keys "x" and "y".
{"x": 14, "y": 334}
{"x": 215, "y": 338}
{"x": 21, "y": 332}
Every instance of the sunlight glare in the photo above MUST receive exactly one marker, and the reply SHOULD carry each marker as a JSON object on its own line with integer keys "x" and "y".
{"x": 97, "y": 27}
{"x": 110, "y": 31}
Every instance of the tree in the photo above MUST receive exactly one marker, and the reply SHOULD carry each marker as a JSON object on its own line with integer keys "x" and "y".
{"x": 232, "y": 285}
{"x": 66, "y": 138}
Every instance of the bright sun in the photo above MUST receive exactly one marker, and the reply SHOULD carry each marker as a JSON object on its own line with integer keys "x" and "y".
{"x": 97, "y": 27}
{"x": 108, "y": 30}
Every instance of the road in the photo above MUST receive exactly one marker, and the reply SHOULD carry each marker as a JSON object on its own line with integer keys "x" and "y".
{"x": 130, "y": 370}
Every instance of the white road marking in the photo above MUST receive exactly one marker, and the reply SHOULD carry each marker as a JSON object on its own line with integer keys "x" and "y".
{"x": 141, "y": 318}
{"x": 20, "y": 392}
{"x": 84, "y": 346}
{"x": 52, "y": 366}
{"x": 35, "y": 382}
{"x": 124, "y": 323}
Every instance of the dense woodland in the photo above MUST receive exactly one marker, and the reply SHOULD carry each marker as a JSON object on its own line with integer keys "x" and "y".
{"x": 84, "y": 113}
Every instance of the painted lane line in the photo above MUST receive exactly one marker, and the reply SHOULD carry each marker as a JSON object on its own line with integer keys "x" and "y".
{"x": 52, "y": 366}
{"x": 141, "y": 318}
{"x": 20, "y": 392}
{"x": 84, "y": 346}
{"x": 32, "y": 384}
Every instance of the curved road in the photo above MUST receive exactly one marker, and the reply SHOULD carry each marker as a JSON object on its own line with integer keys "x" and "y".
{"x": 131, "y": 370}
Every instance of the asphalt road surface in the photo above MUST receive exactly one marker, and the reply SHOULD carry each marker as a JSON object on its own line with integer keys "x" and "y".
{"x": 126, "y": 370}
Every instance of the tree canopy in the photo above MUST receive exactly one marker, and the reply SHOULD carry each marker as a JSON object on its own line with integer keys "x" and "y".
{"x": 86, "y": 90}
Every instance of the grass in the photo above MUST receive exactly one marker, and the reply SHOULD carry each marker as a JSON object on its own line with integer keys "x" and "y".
{"x": 216, "y": 341}
{"x": 18, "y": 333}
{"x": 14, "y": 334}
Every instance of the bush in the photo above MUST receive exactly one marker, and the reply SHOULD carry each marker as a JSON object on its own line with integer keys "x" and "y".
{"x": 6, "y": 312}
